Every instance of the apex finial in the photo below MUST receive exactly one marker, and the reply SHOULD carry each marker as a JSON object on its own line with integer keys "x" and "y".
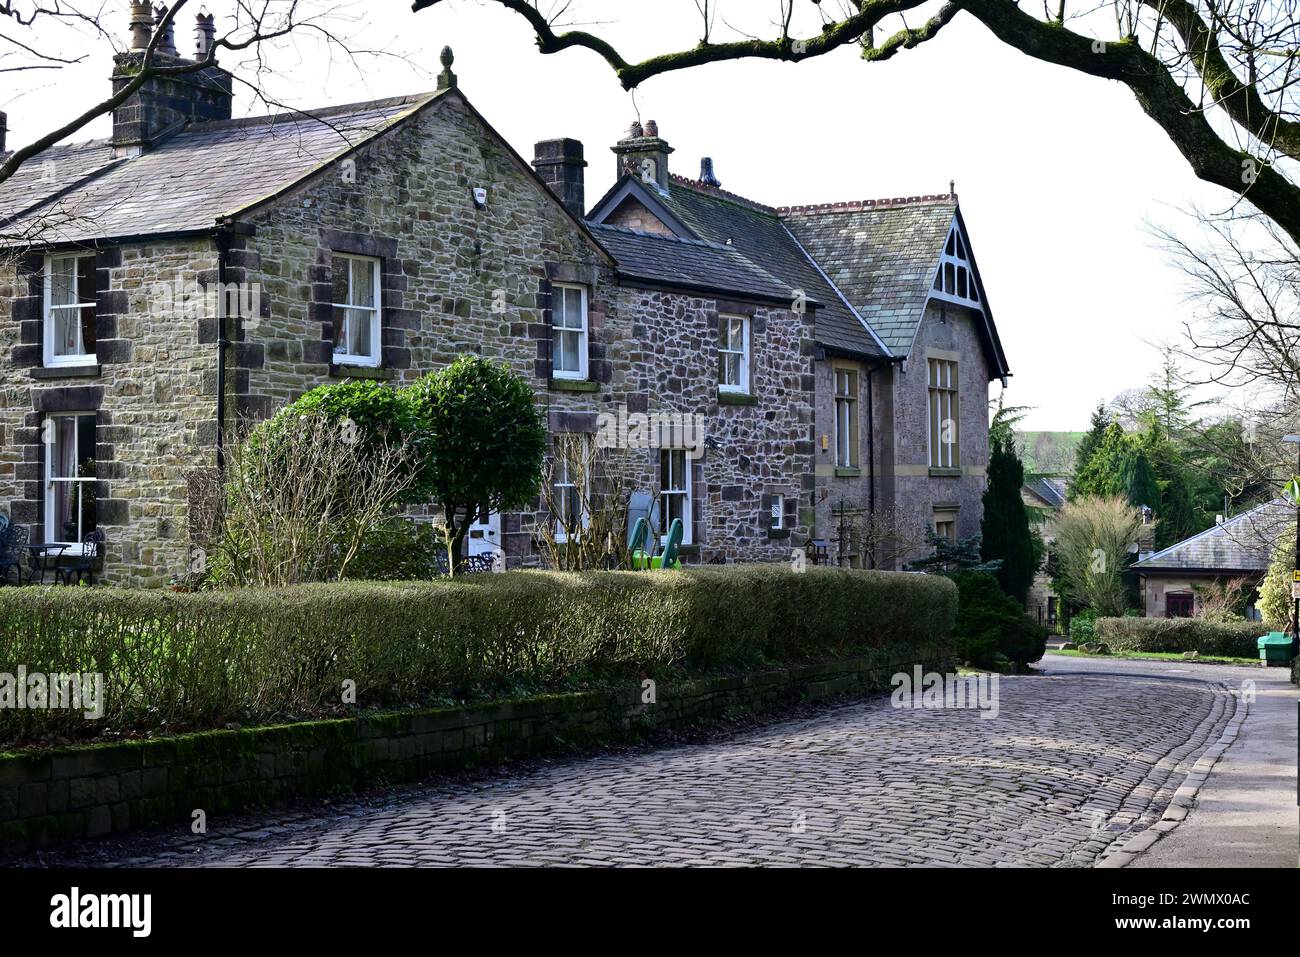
{"x": 446, "y": 79}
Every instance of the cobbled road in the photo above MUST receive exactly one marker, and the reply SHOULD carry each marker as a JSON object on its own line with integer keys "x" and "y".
{"x": 1074, "y": 764}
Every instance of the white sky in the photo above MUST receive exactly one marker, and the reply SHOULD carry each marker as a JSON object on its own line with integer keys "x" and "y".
{"x": 1057, "y": 172}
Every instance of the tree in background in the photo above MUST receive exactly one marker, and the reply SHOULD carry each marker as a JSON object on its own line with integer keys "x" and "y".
{"x": 1095, "y": 538}
{"x": 1089, "y": 443}
{"x": 1275, "y": 604}
{"x": 1005, "y": 531}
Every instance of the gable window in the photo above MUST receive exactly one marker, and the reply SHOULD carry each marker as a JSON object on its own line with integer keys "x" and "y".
{"x": 69, "y": 476}
{"x": 846, "y": 418}
{"x": 675, "y": 491}
{"x": 733, "y": 353}
{"x": 69, "y": 333}
{"x": 944, "y": 410}
{"x": 568, "y": 331}
{"x": 571, "y": 483}
{"x": 955, "y": 277}
{"x": 356, "y": 301}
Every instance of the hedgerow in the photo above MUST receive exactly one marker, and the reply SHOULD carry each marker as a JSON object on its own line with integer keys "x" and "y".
{"x": 1231, "y": 639}
{"x": 176, "y": 661}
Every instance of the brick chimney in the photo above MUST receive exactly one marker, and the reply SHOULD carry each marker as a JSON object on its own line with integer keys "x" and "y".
{"x": 642, "y": 153}
{"x": 164, "y": 104}
{"x": 560, "y": 164}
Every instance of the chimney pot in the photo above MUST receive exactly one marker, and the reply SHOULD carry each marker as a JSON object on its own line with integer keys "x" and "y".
{"x": 205, "y": 35}
{"x": 634, "y": 131}
{"x": 141, "y": 24}
{"x": 560, "y": 164}
{"x": 168, "y": 42}
{"x": 651, "y": 128}
{"x": 707, "y": 176}
{"x": 643, "y": 154}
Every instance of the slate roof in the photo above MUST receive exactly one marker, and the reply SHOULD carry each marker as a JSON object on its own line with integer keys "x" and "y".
{"x": 190, "y": 180}
{"x": 757, "y": 232}
{"x": 882, "y": 257}
{"x": 1244, "y": 543}
{"x": 1050, "y": 489}
{"x": 690, "y": 263}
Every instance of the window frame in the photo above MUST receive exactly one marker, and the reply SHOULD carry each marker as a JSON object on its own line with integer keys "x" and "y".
{"x": 846, "y": 417}
{"x": 945, "y": 517}
{"x": 50, "y": 480}
{"x": 337, "y": 309}
{"x": 562, "y": 462}
{"x": 582, "y": 332}
{"x": 955, "y": 270}
{"x": 776, "y": 514}
{"x": 685, "y": 493}
{"x": 943, "y": 404}
{"x": 724, "y": 322}
{"x": 49, "y": 359}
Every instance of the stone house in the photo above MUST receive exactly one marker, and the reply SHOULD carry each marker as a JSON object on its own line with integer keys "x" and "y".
{"x": 193, "y": 272}
{"x": 1044, "y": 496}
{"x": 1172, "y": 580}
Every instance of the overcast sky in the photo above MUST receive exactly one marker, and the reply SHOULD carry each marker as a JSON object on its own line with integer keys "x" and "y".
{"x": 1057, "y": 173}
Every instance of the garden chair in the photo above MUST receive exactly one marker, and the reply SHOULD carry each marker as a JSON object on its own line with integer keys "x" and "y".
{"x": 668, "y": 557}
{"x": 636, "y": 545}
{"x": 83, "y": 563}
{"x": 13, "y": 552}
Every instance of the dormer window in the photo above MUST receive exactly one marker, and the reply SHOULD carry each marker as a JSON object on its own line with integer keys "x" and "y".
{"x": 955, "y": 278}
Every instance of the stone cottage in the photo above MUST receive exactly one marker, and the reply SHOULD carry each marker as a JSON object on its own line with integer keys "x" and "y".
{"x": 193, "y": 272}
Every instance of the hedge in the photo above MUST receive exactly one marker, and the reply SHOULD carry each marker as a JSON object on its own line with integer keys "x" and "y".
{"x": 176, "y": 661}
{"x": 1230, "y": 639}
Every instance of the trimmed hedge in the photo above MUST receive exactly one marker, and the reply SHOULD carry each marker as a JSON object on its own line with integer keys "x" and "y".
{"x": 1231, "y": 639}
{"x": 181, "y": 661}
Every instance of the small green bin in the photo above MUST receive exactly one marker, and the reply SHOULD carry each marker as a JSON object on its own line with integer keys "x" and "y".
{"x": 1274, "y": 648}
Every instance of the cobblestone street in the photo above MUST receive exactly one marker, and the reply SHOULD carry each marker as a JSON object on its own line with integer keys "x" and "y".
{"x": 1074, "y": 765}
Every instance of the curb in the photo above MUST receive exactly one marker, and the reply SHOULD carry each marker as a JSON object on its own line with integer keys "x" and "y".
{"x": 1185, "y": 796}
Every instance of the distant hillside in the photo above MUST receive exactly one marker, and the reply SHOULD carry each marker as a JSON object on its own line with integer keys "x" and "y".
{"x": 1048, "y": 452}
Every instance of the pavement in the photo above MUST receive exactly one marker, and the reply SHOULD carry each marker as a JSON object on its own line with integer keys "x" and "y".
{"x": 1093, "y": 762}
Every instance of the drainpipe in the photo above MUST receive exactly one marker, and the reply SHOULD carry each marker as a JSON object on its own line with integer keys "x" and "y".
{"x": 223, "y": 250}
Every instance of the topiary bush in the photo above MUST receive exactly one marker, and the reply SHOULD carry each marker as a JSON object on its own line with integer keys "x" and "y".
{"x": 992, "y": 630}
{"x": 182, "y": 661}
{"x": 1176, "y": 635}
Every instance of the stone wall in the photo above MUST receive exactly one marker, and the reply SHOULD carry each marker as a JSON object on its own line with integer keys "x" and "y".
{"x": 152, "y": 390}
{"x": 79, "y": 792}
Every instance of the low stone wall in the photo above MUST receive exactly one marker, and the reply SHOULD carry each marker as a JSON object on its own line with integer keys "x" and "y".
{"x": 76, "y": 792}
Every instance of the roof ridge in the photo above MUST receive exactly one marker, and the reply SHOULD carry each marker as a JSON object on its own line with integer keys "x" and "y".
{"x": 857, "y": 205}
{"x": 720, "y": 193}
{"x": 307, "y": 114}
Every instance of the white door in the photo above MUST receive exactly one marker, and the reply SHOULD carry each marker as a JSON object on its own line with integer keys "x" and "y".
{"x": 485, "y": 535}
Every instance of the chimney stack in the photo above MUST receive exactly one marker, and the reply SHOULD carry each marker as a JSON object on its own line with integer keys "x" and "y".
{"x": 643, "y": 154}
{"x": 707, "y": 176}
{"x": 560, "y": 164}
{"x": 167, "y": 44}
{"x": 4, "y": 125}
{"x": 164, "y": 104}
{"x": 205, "y": 35}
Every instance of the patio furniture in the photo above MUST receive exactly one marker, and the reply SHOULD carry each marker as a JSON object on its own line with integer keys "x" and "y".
{"x": 13, "y": 548}
{"x": 476, "y": 564}
{"x": 668, "y": 557}
{"x": 92, "y": 550}
{"x": 44, "y": 557}
{"x": 636, "y": 545}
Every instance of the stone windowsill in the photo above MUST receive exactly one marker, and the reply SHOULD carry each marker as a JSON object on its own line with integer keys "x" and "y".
{"x": 362, "y": 372}
{"x": 573, "y": 385}
{"x": 944, "y": 473}
{"x": 66, "y": 372}
{"x": 847, "y": 471}
{"x": 736, "y": 398}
